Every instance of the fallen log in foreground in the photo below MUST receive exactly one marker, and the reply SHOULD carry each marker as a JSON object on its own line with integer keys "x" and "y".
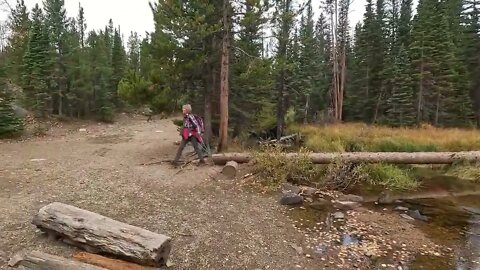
{"x": 367, "y": 157}
{"x": 42, "y": 261}
{"x": 98, "y": 234}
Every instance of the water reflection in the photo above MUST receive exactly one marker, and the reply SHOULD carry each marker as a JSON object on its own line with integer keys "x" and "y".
{"x": 468, "y": 257}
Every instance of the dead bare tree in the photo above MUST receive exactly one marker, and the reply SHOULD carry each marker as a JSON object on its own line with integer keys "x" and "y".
{"x": 338, "y": 13}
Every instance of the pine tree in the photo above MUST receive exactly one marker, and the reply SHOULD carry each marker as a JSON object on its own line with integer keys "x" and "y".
{"x": 101, "y": 72}
{"x": 322, "y": 78}
{"x": 308, "y": 69}
{"x": 401, "y": 109}
{"x": 17, "y": 42}
{"x": 405, "y": 23}
{"x": 252, "y": 83}
{"x": 134, "y": 52}
{"x": 118, "y": 64}
{"x": 37, "y": 66}
{"x": 284, "y": 21}
{"x": 57, "y": 24}
{"x": 9, "y": 122}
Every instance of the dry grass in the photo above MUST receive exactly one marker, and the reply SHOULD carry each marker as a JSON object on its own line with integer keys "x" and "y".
{"x": 465, "y": 171}
{"x": 356, "y": 137}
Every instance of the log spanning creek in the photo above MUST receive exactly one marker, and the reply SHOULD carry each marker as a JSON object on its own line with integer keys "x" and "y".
{"x": 436, "y": 227}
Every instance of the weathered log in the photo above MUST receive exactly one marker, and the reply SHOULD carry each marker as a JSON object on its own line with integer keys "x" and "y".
{"x": 368, "y": 157}
{"x": 108, "y": 263}
{"x": 99, "y": 234}
{"x": 41, "y": 261}
{"x": 230, "y": 169}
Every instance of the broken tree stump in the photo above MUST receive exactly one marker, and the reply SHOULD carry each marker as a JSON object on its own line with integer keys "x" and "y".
{"x": 367, "y": 157}
{"x": 230, "y": 169}
{"x": 42, "y": 261}
{"x": 99, "y": 234}
{"x": 108, "y": 263}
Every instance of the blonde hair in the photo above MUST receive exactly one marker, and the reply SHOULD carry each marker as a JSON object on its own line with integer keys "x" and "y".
{"x": 187, "y": 107}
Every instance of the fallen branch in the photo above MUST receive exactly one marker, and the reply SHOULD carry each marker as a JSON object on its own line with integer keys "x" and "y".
{"x": 282, "y": 139}
{"x": 99, "y": 234}
{"x": 367, "y": 157}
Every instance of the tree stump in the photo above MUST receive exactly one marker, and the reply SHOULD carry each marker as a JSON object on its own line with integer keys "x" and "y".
{"x": 99, "y": 234}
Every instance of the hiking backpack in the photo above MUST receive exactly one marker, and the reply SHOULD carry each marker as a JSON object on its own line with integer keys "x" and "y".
{"x": 199, "y": 120}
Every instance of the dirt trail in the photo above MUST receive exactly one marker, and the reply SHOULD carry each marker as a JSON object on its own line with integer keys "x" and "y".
{"x": 214, "y": 223}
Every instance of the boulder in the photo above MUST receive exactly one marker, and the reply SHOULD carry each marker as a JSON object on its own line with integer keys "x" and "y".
{"x": 290, "y": 198}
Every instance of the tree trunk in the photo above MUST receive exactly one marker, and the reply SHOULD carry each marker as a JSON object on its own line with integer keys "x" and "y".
{"x": 420, "y": 92}
{"x": 209, "y": 86}
{"x": 280, "y": 103}
{"x": 96, "y": 233}
{"x": 224, "y": 76}
{"x": 282, "y": 55}
{"x": 305, "y": 117}
{"x": 36, "y": 260}
{"x": 368, "y": 157}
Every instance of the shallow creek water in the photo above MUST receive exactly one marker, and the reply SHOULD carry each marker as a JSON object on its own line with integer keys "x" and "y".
{"x": 446, "y": 210}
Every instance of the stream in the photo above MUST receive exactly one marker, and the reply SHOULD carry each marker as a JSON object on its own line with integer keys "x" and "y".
{"x": 446, "y": 210}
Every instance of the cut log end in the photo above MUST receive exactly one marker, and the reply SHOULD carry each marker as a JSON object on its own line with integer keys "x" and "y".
{"x": 230, "y": 169}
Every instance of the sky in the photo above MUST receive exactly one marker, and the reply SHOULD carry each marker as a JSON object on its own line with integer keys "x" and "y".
{"x": 135, "y": 15}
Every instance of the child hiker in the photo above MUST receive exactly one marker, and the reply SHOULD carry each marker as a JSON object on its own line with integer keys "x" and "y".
{"x": 190, "y": 133}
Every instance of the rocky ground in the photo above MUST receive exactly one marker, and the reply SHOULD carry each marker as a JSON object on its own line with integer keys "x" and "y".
{"x": 116, "y": 170}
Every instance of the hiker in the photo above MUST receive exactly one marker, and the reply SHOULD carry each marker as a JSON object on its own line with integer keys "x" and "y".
{"x": 190, "y": 133}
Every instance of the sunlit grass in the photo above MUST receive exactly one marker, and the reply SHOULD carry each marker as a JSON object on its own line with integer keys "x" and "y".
{"x": 357, "y": 137}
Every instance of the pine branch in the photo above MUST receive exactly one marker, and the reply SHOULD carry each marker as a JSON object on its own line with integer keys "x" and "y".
{"x": 247, "y": 54}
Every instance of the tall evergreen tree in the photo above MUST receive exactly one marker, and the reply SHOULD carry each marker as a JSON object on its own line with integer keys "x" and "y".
{"x": 18, "y": 39}
{"x": 9, "y": 122}
{"x": 37, "y": 66}
{"x": 57, "y": 23}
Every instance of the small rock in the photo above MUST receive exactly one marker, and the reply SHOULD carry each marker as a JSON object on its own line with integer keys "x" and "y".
{"x": 169, "y": 264}
{"x": 298, "y": 249}
{"x": 82, "y": 130}
{"x": 320, "y": 204}
{"x": 401, "y": 208}
{"x": 308, "y": 191}
{"x": 407, "y": 217}
{"x": 384, "y": 265}
{"x": 346, "y": 205}
{"x": 338, "y": 215}
{"x": 289, "y": 188}
{"x": 350, "y": 198}
{"x": 417, "y": 215}
{"x": 291, "y": 199}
